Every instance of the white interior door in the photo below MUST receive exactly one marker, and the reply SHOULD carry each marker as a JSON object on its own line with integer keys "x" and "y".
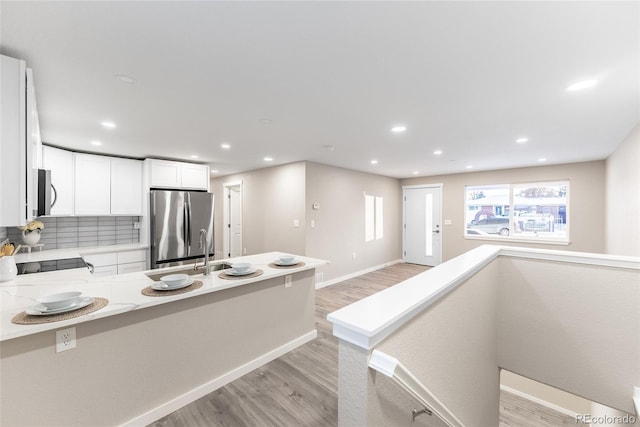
{"x": 232, "y": 220}
{"x": 235, "y": 221}
{"x": 422, "y": 239}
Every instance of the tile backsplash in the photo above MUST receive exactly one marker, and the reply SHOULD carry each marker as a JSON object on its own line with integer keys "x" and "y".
{"x": 75, "y": 232}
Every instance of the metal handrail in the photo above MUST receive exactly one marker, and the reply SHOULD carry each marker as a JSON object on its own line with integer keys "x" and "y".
{"x": 392, "y": 368}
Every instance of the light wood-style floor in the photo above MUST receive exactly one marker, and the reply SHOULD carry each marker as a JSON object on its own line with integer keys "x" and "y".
{"x": 301, "y": 387}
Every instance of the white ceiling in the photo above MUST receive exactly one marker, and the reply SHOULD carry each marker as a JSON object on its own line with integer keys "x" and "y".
{"x": 468, "y": 78}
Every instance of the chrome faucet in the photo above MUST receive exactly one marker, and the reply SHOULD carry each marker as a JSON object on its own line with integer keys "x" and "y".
{"x": 207, "y": 264}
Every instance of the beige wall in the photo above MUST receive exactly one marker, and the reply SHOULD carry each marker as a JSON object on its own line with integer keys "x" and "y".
{"x": 623, "y": 197}
{"x": 586, "y": 210}
{"x": 272, "y": 198}
{"x": 339, "y": 223}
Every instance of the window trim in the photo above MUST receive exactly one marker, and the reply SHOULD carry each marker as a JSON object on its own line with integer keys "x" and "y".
{"x": 520, "y": 239}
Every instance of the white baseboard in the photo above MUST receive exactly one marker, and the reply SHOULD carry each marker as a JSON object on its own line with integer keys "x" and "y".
{"x": 357, "y": 273}
{"x": 198, "y": 392}
{"x": 539, "y": 401}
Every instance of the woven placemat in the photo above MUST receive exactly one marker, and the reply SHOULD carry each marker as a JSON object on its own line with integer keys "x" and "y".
{"x": 27, "y": 319}
{"x": 296, "y": 265}
{"x": 150, "y": 292}
{"x": 256, "y": 273}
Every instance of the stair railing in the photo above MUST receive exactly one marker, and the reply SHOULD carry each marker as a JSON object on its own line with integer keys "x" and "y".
{"x": 392, "y": 368}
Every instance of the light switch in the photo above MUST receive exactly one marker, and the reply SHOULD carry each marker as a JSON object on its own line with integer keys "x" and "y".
{"x": 296, "y": 223}
{"x": 447, "y": 222}
{"x": 313, "y": 223}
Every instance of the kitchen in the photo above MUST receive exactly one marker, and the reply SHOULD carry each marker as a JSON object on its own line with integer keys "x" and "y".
{"x": 105, "y": 217}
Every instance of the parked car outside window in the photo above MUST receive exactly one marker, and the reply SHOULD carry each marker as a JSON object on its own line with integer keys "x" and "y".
{"x": 496, "y": 225}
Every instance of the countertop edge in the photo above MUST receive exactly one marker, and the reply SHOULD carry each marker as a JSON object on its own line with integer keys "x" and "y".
{"x": 139, "y": 281}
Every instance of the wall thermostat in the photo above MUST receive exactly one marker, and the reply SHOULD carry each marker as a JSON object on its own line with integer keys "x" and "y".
{"x": 316, "y": 206}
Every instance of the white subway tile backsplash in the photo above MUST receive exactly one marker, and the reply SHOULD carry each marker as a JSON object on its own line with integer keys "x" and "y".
{"x": 73, "y": 232}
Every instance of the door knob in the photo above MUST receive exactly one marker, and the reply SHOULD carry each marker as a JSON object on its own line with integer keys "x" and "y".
{"x": 436, "y": 231}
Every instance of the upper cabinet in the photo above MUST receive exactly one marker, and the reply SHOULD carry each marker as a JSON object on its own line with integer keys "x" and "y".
{"x": 92, "y": 184}
{"x": 88, "y": 184}
{"x": 60, "y": 163}
{"x": 178, "y": 175}
{"x": 17, "y": 115}
{"x": 126, "y": 187}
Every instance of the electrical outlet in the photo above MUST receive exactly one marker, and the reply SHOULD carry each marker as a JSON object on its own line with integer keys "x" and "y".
{"x": 353, "y": 255}
{"x": 287, "y": 281}
{"x": 65, "y": 339}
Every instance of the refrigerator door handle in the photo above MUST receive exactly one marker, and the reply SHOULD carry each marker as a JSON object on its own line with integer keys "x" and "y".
{"x": 188, "y": 224}
{"x": 185, "y": 218}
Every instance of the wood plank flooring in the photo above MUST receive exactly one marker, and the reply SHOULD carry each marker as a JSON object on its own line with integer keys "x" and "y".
{"x": 301, "y": 387}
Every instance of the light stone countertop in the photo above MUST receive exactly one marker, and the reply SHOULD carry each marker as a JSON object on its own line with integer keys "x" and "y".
{"x": 50, "y": 254}
{"x": 122, "y": 291}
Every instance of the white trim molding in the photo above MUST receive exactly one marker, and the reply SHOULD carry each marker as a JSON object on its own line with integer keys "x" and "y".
{"x": 356, "y": 274}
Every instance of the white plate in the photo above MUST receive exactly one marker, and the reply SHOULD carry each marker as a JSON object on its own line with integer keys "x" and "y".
{"x": 285, "y": 264}
{"x": 40, "y": 310}
{"x": 230, "y": 272}
{"x": 160, "y": 286}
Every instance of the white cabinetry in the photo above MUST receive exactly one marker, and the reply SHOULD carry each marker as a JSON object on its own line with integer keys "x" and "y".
{"x": 88, "y": 184}
{"x": 92, "y": 184}
{"x": 112, "y": 263}
{"x": 103, "y": 264}
{"x": 178, "y": 175}
{"x": 16, "y": 142}
{"x": 126, "y": 187}
{"x": 60, "y": 163}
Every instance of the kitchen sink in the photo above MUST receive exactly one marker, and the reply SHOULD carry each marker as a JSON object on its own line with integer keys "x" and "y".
{"x": 188, "y": 269}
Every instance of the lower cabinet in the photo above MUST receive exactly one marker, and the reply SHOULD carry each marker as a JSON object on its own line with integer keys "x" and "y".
{"x": 110, "y": 264}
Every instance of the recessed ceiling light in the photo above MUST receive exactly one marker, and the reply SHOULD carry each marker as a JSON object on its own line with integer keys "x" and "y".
{"x": 437, "y": 152}
{"x": 542, "y": 159}
{"x": 225, "y": 145}
{"x": 214, "y": 171}
{"x": 584, "y": 84}
{"x": 109, "y": 125}
{"x": 329, "y": 147}
{"x": 125, "y": 79}
{"x": 194, "y": 156}
{"x": 268, "y": 159}
{"x": 415, "y": 172}
{"x": 522, "y": 140}
{"x": 398, "y": 129}
{"x": 469, "y": 167}
{"x": 96, "y": 143}
{"x": 374, "y": 162}
{"x": 267, "y": 121}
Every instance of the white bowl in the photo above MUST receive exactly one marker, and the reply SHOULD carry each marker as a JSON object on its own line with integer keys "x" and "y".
{"x": 174, "y": 279}
{"x": 240, "y": 267}
{"x": 287, "y": 259}
{"x": 61, "y": 300}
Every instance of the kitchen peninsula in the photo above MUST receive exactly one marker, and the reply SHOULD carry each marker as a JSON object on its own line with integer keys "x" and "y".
{"x": 141, "y": 357}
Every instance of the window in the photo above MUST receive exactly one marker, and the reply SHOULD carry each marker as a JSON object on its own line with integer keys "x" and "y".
{"x": 529, "y": 211}
{"x": 373, "y": 218}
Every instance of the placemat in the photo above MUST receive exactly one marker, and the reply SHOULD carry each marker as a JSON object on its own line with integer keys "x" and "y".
{"x": 296, "y": 265}
{"x": 150, "y": 292}
{"x": 256, "y": 273}
{"x": 27, "y": 319}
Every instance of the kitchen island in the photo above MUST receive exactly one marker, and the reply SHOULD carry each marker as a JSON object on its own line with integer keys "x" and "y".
{"x": 141, "y": 357}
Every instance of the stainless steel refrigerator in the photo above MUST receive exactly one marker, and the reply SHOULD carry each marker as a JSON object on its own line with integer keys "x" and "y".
{"x": 176, "y": 218}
